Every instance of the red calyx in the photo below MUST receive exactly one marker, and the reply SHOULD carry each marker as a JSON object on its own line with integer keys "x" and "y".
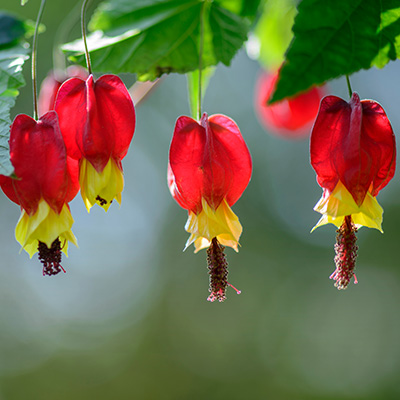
{"x": 38, "y": 154}
{"x": 290, "y": 118}
{"x": 97, "y": 119}
{"x": 354, "y": 143}
{"x": 51, "y": 84}
{"x": 208, "y": 159}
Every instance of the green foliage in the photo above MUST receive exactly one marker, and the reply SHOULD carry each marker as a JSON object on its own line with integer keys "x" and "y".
{"x": 338, "y": 37}
{"x": 150, "y": 37}
{"x": 389, "y": 34}
{"x": 11, "y": 78}
{"x": 11, "y": 29}
{"x": 244, "y": 8}
{"x": 228, "y": 33}
{"x": 274, "y": 32}
{"x": 12, "y": 58}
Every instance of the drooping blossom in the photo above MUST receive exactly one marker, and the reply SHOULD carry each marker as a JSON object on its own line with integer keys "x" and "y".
{"x": 209, "y": 168}
{"x": 97, "y": 121}
{"x": 51, "y": 84}
{"x": 353, "y": 152}
{"x": 290, "y": 118}
{"x": 46, "y": 181}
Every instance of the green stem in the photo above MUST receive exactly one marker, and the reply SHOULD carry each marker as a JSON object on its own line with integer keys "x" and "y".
{"x": 201, "y": 45}
{"x": 349, "y": 86}
{"x": 34, "y": 50}
{"x": 89, "y": 66}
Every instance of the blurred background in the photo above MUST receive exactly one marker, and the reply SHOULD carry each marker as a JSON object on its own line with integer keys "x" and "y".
{"x": 130, "y": 320}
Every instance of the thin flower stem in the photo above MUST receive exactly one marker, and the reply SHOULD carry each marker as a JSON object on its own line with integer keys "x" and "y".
{"x": 201, "y": 44}
{"x": 349, "y": 86}
{"x": 34, "y": 50}
{"x": 83, "y": 24}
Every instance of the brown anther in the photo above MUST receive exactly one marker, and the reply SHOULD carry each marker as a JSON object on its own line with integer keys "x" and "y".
{"x": 346, "y": 254}
{"x": 51, "y": 257}
{"x": 101, "y": 201}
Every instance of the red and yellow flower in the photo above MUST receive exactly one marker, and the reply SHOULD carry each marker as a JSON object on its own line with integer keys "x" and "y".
{"x": 289, "y": 118}
{"x": 51, "y": 84}
{"x": 353, "y": 153}
{"x": 46, "y": 181}
{"x": 209, "y": 168}
{"x": 97, "y": 121}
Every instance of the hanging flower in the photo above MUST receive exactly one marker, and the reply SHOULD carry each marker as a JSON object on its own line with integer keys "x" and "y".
{"x": 51, "y": 84}
{"x": 290, "y": 118}
{"x": 209, "y": 168}
{"x": 353, "y": 152}
{"x": 46, "y": 181}
{"x": 97, "y": 121}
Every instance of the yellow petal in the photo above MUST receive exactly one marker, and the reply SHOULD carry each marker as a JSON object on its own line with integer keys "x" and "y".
{"x": 45, "y": 226}
{"x": 101, "y": 188}
{"x": 336, "y": 205}
{"x": 221, "y": 223}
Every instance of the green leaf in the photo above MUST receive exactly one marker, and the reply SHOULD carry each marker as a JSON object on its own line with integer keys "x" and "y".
{"x": 153, "y": 37}
{"x": 229, "y": 33}
{"x": 29, "y": 26}
{"x": 389, "y": 33}
{"x": 250, "y": 8}
{"x": 11, "y": 78}
{"x": 11, "y": 29}
{"x": 338, "y": 37}
{"x": 244, "y": 8}
{"x": 274, "y": 32}
{"x": 23, "y": 2}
